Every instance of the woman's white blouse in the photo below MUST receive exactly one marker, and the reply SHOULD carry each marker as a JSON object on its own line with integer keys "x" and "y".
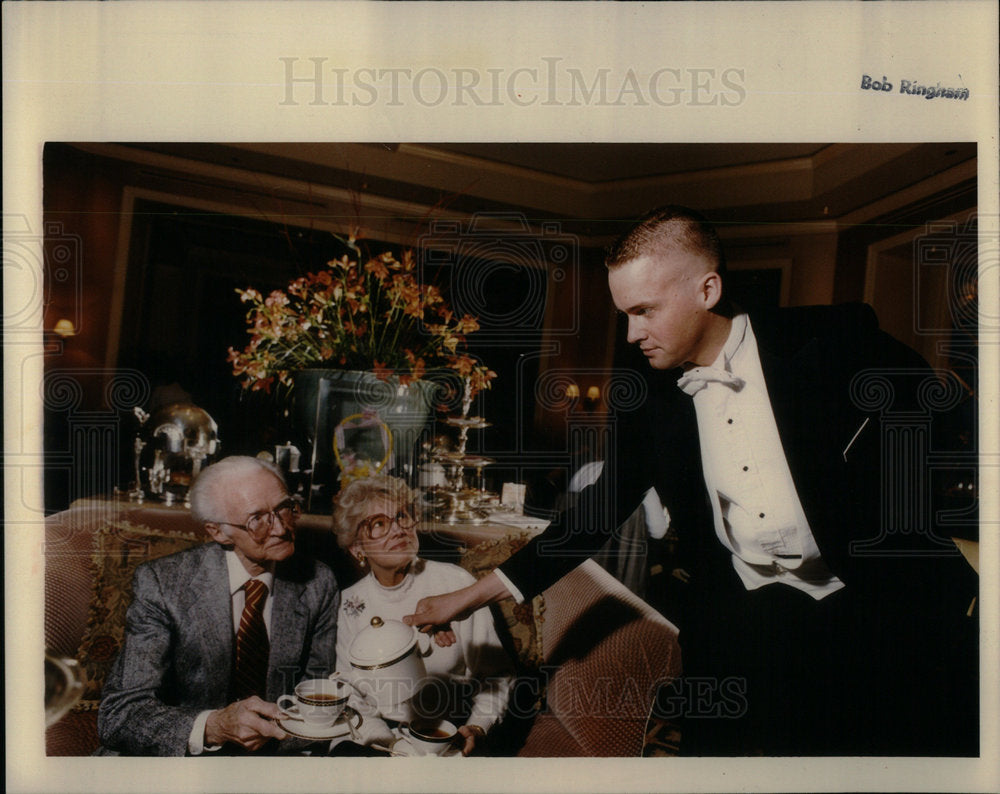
{"x": 476, "y": 656}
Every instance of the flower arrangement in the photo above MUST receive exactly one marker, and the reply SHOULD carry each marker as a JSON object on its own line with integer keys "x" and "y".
{"x": 374, "y": 317}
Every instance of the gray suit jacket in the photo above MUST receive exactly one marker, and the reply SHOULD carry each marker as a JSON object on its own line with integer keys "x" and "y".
{"x": 177, "y": 655}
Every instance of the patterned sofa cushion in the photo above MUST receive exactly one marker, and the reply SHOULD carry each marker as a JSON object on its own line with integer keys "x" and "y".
{"x": 609, "y": 652}
{"x": 119, "y": 548}
{"x": 523, "y": 620}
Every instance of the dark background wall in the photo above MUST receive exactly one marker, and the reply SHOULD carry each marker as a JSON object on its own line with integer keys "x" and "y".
{"x": 146, "y": 245}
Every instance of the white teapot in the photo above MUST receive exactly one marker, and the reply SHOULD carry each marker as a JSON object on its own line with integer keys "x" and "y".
{"x": 388, "y": 666}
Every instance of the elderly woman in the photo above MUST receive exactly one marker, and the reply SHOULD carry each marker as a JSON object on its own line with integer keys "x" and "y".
{"x": 375, "y": 520}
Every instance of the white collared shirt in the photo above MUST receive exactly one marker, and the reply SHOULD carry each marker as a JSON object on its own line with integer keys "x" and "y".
{"x": 758, "y": 515}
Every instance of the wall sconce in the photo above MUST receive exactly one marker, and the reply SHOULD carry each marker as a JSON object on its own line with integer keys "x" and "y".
{"x": 591, "y": 399}
{"x": 64, "y": 328}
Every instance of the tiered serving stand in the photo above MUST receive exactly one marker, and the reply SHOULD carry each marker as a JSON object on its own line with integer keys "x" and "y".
{"x": 463, "y": 499}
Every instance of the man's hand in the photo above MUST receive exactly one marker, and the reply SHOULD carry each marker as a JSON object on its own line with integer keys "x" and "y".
{"x": 440, "y": 610}
{"x": 248, "y": 723}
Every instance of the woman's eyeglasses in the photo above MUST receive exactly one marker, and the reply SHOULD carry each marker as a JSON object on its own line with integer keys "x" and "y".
{"x": 259, "y": 525}
{"x": 378, "y": 526}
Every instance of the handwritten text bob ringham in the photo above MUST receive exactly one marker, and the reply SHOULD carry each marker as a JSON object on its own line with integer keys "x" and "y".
{"x": 914, "y": 88}
{"x": 317, "y": 81}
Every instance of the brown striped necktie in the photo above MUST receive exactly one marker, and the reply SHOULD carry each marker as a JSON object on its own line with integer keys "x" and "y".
{"x": 252, "y": 646}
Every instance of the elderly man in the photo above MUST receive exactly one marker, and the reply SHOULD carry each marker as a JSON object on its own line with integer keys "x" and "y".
{"x": 814, "y": 626}
{"x": 215, "y": 634}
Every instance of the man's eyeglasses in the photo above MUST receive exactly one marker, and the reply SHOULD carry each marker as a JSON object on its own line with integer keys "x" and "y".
{"x": 378, "y": 526}
{"x": 259, "y": 525}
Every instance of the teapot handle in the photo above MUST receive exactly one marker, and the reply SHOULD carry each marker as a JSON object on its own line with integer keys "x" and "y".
{"x": 423, "y": 644}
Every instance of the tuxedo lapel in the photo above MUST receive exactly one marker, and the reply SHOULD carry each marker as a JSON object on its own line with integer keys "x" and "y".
{"x": 678, "y": 430}
{"x": 808, "y": 361}
{"x": 784, "y": 391}
{"x": 792, "y": 366}
{"x": 808, "y": 409}
{"x": 680, "y": 478}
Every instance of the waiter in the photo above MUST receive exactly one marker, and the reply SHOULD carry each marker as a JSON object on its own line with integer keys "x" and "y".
{"x": 815, "y": 628}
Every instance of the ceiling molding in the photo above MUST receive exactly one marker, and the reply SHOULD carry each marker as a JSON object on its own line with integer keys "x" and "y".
{"x": 830, "y": 170}
{"x": 395, "y": 189}
{"x": 937, "y": 183}
{"x": 463, "y": 174}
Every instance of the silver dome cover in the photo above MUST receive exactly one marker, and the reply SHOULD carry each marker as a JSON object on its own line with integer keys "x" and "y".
{"x": 185, "y": 430}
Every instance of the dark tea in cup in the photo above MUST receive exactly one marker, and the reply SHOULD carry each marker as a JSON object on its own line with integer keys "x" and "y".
{"x": 318, "y": 701}
{"x": 321, "y": 697}
{"x": 431, "y": 737}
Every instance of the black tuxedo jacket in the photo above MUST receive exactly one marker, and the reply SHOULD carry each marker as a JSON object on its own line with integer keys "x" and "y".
{"x": 854, "y": 410}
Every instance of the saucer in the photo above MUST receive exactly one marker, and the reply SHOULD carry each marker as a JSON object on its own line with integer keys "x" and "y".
{"x": 402, "y": 746}
{"x": 303, "y": 730}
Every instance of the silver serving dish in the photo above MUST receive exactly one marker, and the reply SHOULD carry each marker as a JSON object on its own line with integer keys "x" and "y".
{"x": 173, "y": 446}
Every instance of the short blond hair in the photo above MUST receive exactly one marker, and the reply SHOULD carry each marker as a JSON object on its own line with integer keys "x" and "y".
{"x": 351, "y": 504}
{"x": 666, "y": 227}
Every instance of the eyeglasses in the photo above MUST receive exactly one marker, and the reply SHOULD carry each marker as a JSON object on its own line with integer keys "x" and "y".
{"x": 378, "y": 526}
{"x": 259, "y": 525}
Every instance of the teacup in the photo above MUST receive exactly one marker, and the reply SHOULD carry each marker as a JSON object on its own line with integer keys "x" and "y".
{"x": 430, "y": 737}
{"x": 317, "y": 701}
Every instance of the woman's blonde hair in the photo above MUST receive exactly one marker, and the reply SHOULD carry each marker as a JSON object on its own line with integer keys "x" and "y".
{"x": 351, "y": 504}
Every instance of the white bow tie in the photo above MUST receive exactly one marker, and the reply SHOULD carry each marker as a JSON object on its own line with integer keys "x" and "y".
{"x": 694, "y": 380}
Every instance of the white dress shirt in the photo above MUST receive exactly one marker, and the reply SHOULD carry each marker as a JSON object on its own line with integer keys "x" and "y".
{"x": 758, "y": 515}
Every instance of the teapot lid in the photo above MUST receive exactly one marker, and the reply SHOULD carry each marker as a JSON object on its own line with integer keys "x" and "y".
{"x": 382, "y": 642}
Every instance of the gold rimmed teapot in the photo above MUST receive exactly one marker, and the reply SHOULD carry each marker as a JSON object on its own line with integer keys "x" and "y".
{"x": 388, "y": 666}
